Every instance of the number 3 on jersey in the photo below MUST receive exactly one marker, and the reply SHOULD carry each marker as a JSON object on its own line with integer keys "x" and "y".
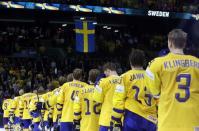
{"x": 186, "y": 87}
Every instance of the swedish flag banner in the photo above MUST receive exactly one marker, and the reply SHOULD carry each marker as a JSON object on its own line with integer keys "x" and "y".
{"x": 85, "y": 36}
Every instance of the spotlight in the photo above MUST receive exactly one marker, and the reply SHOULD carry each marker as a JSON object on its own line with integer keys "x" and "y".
{"x": 82, "y": 18}
{"x": 105, "y": 27}
{"x": 64, "y": 25}
{"x": 94, "y": 23}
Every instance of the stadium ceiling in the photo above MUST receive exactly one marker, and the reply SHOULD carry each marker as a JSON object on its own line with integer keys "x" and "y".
{"x": 141, "y": 18}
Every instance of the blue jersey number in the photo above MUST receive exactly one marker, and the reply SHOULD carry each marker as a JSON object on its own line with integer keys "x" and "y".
{"x": 137, "y": 90}
{"x": 88, "y": 106}
{"x": 185, "y": 87}
{"x": 74, "y": 94}
{"x": 95, "y": 107}
{"x": 5, "y": 106}
{"x": 147, "y": 97}
{"x": 27, "y": 102}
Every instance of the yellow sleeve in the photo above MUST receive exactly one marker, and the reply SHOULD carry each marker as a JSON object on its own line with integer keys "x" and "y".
{"x": 13, "y": 106}
{"x": 77, "y": 107}
{"x": 152, "y": 77}
{"x": 99, "y": 92}
{"x": 50, "y": 112}
{"x": 118, "y": 102}
{"x": 9, "y": 106}
{"x": 52, "y": 101}
{"x": 32, "y": 105}
{"x": 4, "y": 105}
{"x": 21, "y": 107}
{"x": 60, "y": 101}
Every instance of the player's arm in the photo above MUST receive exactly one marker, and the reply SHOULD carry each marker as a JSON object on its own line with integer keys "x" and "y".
{"x": 77, "y": 111}
{"x": 118, "y": 102}
{"x": 77, "y": 107}
{"x": 13, "y": 106}
{"x": 4, "y": 107}
{"x": 98, "y": 95}
{"x": 51, "y": 101}
{"x": 152, "y": 77}
{"x": 60, "y": 102}
{"x": 50, "y": 106}
{"x": 21, "y": 107}
{"x": 32, "y": 107}
{"x": 12, "y": 109}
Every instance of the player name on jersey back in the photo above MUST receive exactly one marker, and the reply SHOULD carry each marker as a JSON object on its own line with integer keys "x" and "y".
{"x": 184, "y": 63}
{"x": 76, "y": 85}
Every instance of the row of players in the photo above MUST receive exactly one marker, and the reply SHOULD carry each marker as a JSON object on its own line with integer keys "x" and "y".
{"x": 128, "y": 102}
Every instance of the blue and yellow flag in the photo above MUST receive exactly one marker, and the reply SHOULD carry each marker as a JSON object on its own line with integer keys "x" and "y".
{"x": 85, "y": 36}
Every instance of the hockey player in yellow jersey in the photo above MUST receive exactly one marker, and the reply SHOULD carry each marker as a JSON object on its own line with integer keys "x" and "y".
{"x": 14, "y": 110}
{"x": 66, "y": 99}
{"x": 132, "y": 101}
{"x": 6, "y": 109}
{"x": 25, "y": 117}
{"x": 48, "y": 121}
{"x": 86, "y": 111}
{"x": 52, "y": 101}
{"x": 37, "y": 113}
{"x": 104, "y": 94}
{"x": 69, "y": 77}
{"x": 174, "y": 78}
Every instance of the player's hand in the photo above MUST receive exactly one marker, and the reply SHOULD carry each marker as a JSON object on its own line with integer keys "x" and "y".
{"x": 56, "y": 127}
{"x": 35, "y": 113}
{"x": 11, "y": 119}
{"x": 58, "y": 119}
{"x": 31, "y": 127}
{"x": 76, "y": 124}
{"x": 116, "y": 126}
{"x": 41, "y": 126}
{"x": 49, "y": 123}
{"x": 40, "y": 106}
{"x": 21, "y": 124}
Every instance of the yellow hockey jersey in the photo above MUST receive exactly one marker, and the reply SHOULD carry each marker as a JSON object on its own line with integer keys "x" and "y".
{"x": 32, "y": 106}
{"x": 104, "y": 95}
{"x": 133, "y": 96}
{"x": 14, "y": 108}
{"x": 24, "y": 105}
{"x": 52, "y": 101}
{"x": 175, "y": 78}
{"x": 46, "y": 97}
{"x": 66, "y": 99}
{"x": 6, "y": 107}
{"x": 86, "y": 109}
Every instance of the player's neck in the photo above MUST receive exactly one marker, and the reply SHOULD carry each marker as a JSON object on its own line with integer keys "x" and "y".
{"x": 91, "y": 83}
{"x": 75, "y": 80}
{"x": 136, "y": 68}
{"x": 177, "y": 51}
{"x": 113, "y": 73}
